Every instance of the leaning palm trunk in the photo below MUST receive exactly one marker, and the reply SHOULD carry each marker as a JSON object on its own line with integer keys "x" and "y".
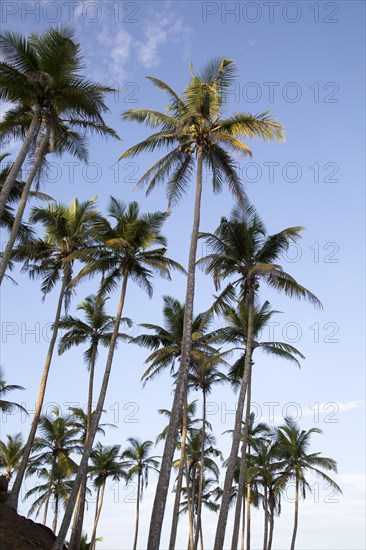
{"x": 157, "y": 515}
{"x": 80, "y": 506}
{"x": 190, "y": 505}
{"x": 178, "y": 490}
{"x": 14, "y": 171}
{"x": 13, "y": 496}
{"x": 23, "y": 202}
{"x": 97, "y": 516}
{"x": 137, "y": 510}
{"x": 239, "y": 497}
{"x": 225, "y": 502}
{"x": 94, "y": 422}
{"x": 296, "y": 515}
{"x": 200, "y": 485}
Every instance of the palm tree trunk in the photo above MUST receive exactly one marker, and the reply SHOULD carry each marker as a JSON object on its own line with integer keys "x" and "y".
{"x": 243, "y": 525}
{"x": 265, "y": 504}
{"x": 97, "y": 516}
{"x": 94, "y": 422}
{"x": 201, "y": 536}
{"x": 249, "y": 497}
{"x": 225, "y": 501}
{"x": 80, "y": 505}
{"x": 192, "y": 523}
{"x": 178, "y": 490}
{"x": 137, "y": 511}
{"x": 13, "y": 496}
{"x": 241, "y": 483}
{"x": 157, "y": 515}
{"x": 296, "y": 515}
{"x": 200, "y": 486}
{"x": 44, "y": 521}
{"x": 14, "y": 171}
{"x": 54, "y": 525}
{"x": 189, "y": 509}
{"x": 271, "y": 528}
{"x": 23, "y": 202}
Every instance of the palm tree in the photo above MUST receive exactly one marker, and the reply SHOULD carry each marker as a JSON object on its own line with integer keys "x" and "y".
{"x": 40, "y": 75}
{"x": 81, "y": 421}
{"x": 242, "y": 246}
{"x": 195, "y": 467}
{"x": 5, "y": 388}
{"x": 293, "y": 444}
{"x": 204, "y": 375}
{"x": 11, "y": 454}
{"x": 97, "y": 328}
{"x": 235, "y": 332}
{"x": 138, "y": 463}
{"x": 166, "y": 343}
{"x": 195, "y": 135}
{"x": 57, "y": 485}
{"x": 133, "y": 248}
{"x": 57, "y": 440}
{"x": 68, "y": 234}
{"x": 105, "y": 464}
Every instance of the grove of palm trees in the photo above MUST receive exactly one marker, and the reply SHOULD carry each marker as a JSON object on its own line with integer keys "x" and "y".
{"x": 166, "y": 304}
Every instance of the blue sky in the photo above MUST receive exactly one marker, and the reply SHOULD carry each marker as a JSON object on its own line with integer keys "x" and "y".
{"x": 305, "y": 62}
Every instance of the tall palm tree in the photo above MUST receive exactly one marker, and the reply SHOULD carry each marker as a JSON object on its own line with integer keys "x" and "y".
{"x": 204, "y": 374}
{"x": 196, "y": 135}
{"x": 81, "y": 421}
{"x": 166, "y": 343}
{"x": 68, "y": 235}
{"x": 11, "y": 454}
{"x": 41, "y": 76}
{"x": 293, "y": 444}
{"x": 97, "y": 328}
{"x": 138, "y": 463}
{"x": 5, "y": 388}
{"x": 57, "y": 440}
{"x": 241, "y": 246}
{"x": 133, "y": 248}
{"x": 235, "y": 332}
{"x": 105, "y": 464}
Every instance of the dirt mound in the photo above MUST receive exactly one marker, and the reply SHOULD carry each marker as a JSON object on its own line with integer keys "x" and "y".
{"x": 20, "y": 533}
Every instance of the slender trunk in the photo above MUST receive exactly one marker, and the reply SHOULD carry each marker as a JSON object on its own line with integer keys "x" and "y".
{"x": 296, "y": 515}
{"x": 14, "y": 171}
{"x": 192, "y": 523}
{"x": 271, "y": 528}
{"x": 265, "y": 504}
{"x": 137, "y": 511}
{"x": 201, "y": 536}
{"x": 243, "y": 525}
{"x": 22, "y": 203}
{"x": 190, "y": 509}
{"x": 225, "y": 502}
{"x": 96, "y": 511}
{"x": 249, "y": 497}
{"x": 239, "y": 498}
{"x": 94, "y": 422}
{"x": 55, "y": 516}
{"x": 44, "y": 521}
{"x": 13, "y": 497}
{"x": 80, "y": 506}
{"x": 200, "y": 486}
{"x": 157, "y": 515}
{"x": 97, "y": 516}
{"x": 178, "y": 490}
